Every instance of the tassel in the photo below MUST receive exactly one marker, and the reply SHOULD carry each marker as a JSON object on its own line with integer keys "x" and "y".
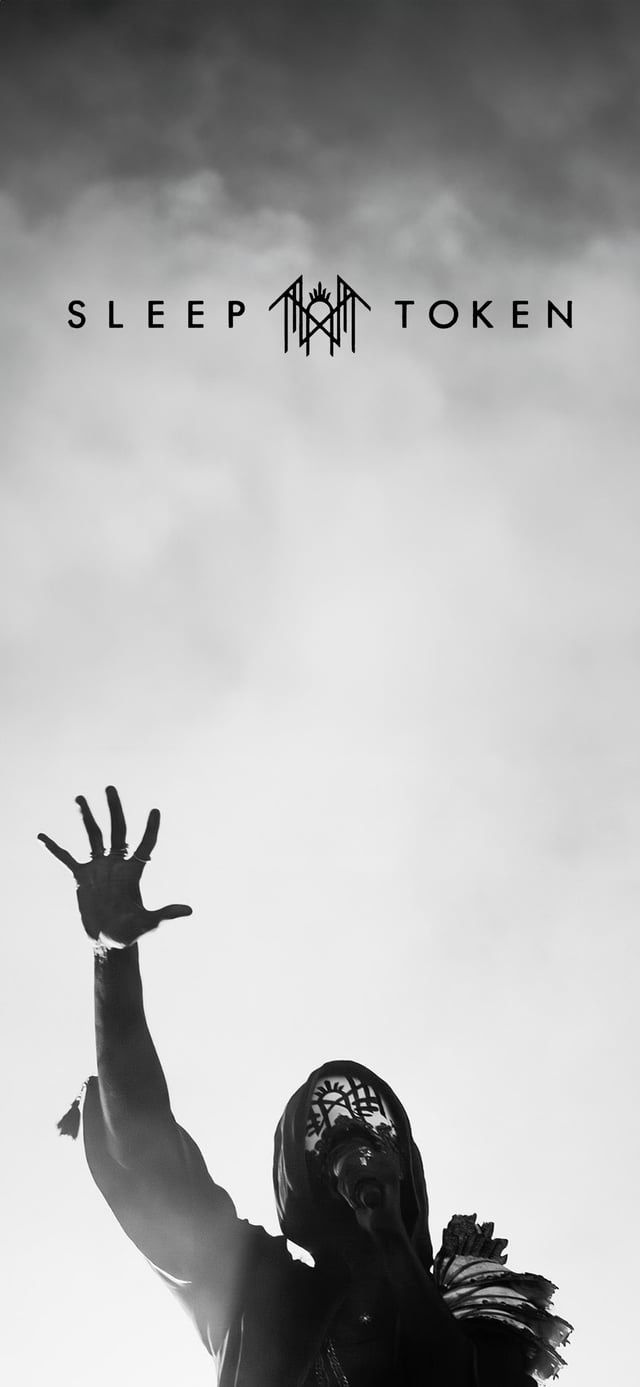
{"x": 69, "y": 1125}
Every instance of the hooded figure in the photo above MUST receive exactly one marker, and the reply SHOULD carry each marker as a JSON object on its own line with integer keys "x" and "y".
{"x": 271, "y": 1320}
{"x": 374, "y": 1310}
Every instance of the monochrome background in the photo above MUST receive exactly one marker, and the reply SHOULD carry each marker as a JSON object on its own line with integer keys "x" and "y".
{"x": 366, "y": 629}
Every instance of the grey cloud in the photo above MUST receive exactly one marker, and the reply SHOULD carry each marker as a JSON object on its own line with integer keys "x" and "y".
{"x": 528, "y": 111}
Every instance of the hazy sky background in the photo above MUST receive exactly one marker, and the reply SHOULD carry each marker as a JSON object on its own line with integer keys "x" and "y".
{"x": 366, "y": 629}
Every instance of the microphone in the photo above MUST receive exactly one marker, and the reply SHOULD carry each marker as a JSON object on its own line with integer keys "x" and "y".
{"x": 361, "y": 1171}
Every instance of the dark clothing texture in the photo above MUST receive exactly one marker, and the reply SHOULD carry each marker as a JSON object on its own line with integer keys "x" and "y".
{"x": 268, "y": 1319}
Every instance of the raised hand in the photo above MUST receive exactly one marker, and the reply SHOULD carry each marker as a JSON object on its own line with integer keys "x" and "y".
{"x": 109, "y": 884}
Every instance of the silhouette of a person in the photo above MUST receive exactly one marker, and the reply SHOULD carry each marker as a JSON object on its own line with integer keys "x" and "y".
{"x": 374, "y": 1310}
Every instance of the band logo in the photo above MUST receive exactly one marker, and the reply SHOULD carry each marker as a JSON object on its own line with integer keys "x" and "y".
{"x": 303, "y": 322}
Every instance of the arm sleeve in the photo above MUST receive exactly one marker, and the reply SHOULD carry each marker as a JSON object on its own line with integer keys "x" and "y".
{"x": 500, "y": 1358}
{"x": 183, "y": 1223}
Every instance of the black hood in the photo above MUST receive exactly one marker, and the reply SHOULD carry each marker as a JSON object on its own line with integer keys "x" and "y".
{"x": 316, "y": 1222}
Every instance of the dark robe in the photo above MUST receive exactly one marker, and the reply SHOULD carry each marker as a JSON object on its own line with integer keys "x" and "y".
{"x": 268, "y": 1319}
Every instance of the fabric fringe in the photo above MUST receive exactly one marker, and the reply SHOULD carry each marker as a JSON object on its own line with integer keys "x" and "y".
{"x": 69, "y": 1124}
{"x": 473, "y": 1280}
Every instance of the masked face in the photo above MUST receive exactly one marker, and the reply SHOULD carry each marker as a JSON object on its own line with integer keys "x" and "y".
{"x": 343, "y": 1106}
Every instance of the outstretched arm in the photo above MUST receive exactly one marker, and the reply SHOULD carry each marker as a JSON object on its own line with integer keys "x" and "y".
{"x": 133, "y": 1091}
{"x": 148, "y": 1168}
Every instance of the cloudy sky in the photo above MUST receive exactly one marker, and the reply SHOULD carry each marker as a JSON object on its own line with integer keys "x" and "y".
{"x": 366, "y": 629}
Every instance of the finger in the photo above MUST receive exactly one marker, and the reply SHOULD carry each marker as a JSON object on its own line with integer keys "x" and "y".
{"x": 118, "y": 825}
{"x": 61, "y": 853}
{"x": 94, "y": 834}
{"x": 149, "y": 838}
{"x": 168, "y": 912}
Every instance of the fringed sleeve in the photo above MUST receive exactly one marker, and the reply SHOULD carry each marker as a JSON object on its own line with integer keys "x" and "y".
{"x": 476, "y": 1284}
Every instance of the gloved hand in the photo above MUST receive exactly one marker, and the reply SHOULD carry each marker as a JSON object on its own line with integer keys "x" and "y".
{"x": 368, "y": 1176}
{"x": 109, "y": 884}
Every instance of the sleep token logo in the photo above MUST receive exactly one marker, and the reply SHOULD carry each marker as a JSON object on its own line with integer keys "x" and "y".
{"x": 319, "y": 318}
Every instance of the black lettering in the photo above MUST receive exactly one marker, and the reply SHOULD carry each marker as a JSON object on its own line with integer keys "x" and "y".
{"x": 567, "y": 318}
{"x": 447, "y": 304}
{"x": 155, "y": 311}
{"x": 195, "y": 307}
{"x": 112, "y": 322}
{"x": 404, "y": 304}
{"x": 520, "y": 311}
{"x": 75, "y": 309}
{"x": 478, "y": 312}
{"x": 236, "y": 309}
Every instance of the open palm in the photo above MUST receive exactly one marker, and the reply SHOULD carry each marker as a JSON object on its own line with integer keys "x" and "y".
{"x": 109, "y": 884}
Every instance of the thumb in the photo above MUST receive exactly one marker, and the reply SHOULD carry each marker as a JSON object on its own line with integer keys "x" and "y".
{"x": 167, "y": 912}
